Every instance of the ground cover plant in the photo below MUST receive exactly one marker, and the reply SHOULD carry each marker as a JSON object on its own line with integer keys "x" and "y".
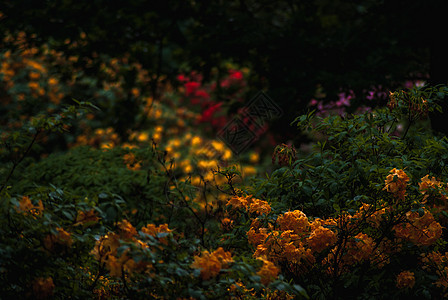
{"x": 109, "y": 193}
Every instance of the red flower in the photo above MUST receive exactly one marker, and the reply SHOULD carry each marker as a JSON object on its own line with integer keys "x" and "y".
{"x": 191, "y": 87}
{"x": 182, "y": 78}
{"x": 236, "y": 75}
{"x": 201, "y": 94}
{"x": 209, "y": 112}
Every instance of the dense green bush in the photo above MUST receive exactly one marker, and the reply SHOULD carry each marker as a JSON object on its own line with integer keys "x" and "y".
{"x": 368, "y": 178}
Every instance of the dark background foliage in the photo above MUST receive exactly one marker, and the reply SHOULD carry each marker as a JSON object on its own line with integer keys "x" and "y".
{"x": 292, "y": 46}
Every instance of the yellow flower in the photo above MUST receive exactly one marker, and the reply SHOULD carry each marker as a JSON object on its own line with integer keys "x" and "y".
{"x": 405, "y": 279}
{"x": 249, "y": 170}
{"x": 143, "y": 137}
{"x": 254, "y": 157}
{"x": 188, "y": 168}
{"x": 227, "y": 154}
{"x": 196, "y": 141}
{"x": 219, "y": 146}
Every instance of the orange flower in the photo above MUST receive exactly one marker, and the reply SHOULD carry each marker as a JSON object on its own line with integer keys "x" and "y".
{"x": 88, "y": 217}
{"x": 127, "y": 231}
{"x": 256, "y": 235}
{"x": 361, "y": 247}
{"x": 421, "y": 231}
{"x": 239, "y": 202}
{"x": 211, "y": 264}
{"x": 43, "y": 287}
{"x": 268, "y": 271}
{"x": 259, "y": 207}
{"x": 396, "y": 183}
{"x": 114, "y": 266}
{"x": 226, "y": 224}
{"x": 34, "y": 75}
{"x": 405, "y": 279}
{"x": 131, "y": 162}
{"x": 62, "y": 238}
{"x": 27, "y": 207}
{"x": 439, "y": 263}
{"x": 296, "y": 221}
{"x": 153, "y": 230}
{"x": 427, "y": 185}
{"x": 321, "y": 238}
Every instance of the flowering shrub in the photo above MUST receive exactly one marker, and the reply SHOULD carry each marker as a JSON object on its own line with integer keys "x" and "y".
{"x": 364, "y": 202}
{"x": 154, "y": 208}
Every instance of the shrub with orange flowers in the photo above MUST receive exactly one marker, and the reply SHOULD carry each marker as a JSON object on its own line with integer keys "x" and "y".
{"x": 134, "y": 200}
{"x": 351, "y": 208}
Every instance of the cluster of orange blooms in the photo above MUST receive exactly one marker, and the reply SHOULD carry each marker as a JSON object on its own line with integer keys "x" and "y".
{"x": 396, "y": 183}
{"x": 268, "y": 272}
{"x": 293, "y": 241}
{"x": 419, "y": 230}
{"x": 27, "y": 207}
{"x": 131, "y": 161}
{"x": 296, "y": 242}
{"x": 105, "y": 250}
{"x": 438, "y": 263}
{"x": 405, "y": 279}
{"x": 435, "y": 195}
{"x": 250, "y": 204}
{"x": 211, "y": 264}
